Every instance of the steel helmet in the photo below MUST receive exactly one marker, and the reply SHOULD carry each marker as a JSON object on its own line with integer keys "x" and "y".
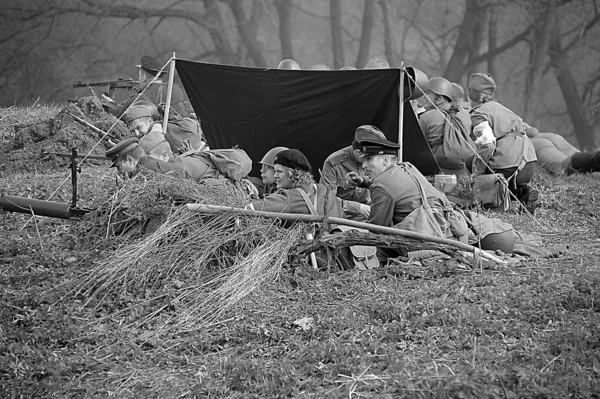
{"x": 505, "y": 242}
{"x": 348, "y": 68}
{"x": 441, "y": 87}
{"x": 288, "y": 64}
{"x": 377, "y": 63}
{"x": 269, "y": 158}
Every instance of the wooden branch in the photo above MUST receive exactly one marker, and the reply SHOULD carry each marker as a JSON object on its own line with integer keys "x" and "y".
{"x": 356, "y": 237}
{"x": 215, "y": 209}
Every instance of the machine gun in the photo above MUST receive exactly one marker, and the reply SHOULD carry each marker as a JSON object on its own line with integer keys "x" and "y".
{"x": 51, "y": 209}
{"x": 110, "y": 85}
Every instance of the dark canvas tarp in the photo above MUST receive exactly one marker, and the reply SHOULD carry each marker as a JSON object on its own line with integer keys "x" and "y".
{"x": 313, "y": 111}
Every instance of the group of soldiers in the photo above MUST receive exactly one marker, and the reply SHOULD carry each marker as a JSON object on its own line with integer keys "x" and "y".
{"x": 365, "y": 181}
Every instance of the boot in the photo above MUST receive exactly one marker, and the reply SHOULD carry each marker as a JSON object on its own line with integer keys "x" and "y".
{"x": 584, "y": 162}
{"x": 528, "y": 196}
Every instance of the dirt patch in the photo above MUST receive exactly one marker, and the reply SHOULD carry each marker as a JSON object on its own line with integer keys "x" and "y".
{"x": 31, "y": 146}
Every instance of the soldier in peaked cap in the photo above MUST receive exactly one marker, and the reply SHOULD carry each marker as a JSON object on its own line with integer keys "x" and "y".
{"x": 150, "y": 76}
{"x": 129, "y": 157}
{"x": 501, "y": 140}
{"x": 339, "y": 168}
{"x": 297, "y": 191}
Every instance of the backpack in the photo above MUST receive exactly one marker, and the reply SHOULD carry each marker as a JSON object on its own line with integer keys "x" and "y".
{"x": 233, "y": 163}
{"x": 458, "y": 145}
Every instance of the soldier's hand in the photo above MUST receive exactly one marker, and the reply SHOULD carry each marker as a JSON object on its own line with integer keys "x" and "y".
{"x": 107, "y": 99}
{"x": 353, "y": 179}
{"x": 185, "y": 146}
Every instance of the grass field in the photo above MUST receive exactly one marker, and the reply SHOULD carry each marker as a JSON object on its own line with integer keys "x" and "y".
{"x": 429, "y": 330}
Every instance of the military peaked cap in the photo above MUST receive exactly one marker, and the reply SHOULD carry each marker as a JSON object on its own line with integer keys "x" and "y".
{"x": 119, "y": 149}
{"x": 377, "y": 146}
{"x": 150, "y": 65}
{"x": 292, "y": 159}
{"x": 368, "y": 133}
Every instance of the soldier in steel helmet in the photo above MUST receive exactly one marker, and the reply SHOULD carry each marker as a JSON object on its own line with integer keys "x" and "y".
{"x": 501, "y": 141}
{"x": 266, "y": 183}
{"x": 446, "y": 127}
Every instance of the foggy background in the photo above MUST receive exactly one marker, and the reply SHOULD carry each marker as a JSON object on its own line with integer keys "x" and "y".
{"x": 543, "y": 54}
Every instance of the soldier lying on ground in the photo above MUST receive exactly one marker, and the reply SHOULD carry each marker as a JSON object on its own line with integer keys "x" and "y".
{"x": 143, "y": 120}
{"x": 556, "y": 155}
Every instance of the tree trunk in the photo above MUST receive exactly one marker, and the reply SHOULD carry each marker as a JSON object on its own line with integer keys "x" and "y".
{"x": 337, "y": 42}
{"x": 477, "y": 42}
{"x": 216, "y": 28}
{"x": 284, "y": 10}
{"x": 568, "y": 86}
{"x": 245, "y": 31}
{"x": 538, "y": 53}
{"x": 492, "y": 40}
{"x": 367, "y": 33}
{"x": 455, "y": 68}
{"x": 388, "y": 40}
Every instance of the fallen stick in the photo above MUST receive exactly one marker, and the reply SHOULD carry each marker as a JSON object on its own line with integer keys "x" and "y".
{"x": 216, "y": 209}
{"x": 103, "y": 134}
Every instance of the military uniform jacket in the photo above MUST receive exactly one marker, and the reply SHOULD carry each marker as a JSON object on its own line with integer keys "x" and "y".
{"x": 152, "y": 138}
{"x": 512, "y": 144}
{"x": 394, "y": 194}
{"x": 333, "y": 175}
{"x": 291, "y": 201}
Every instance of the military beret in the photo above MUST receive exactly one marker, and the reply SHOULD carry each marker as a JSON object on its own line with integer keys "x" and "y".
{"x": 378, "y": 147}
{"x": 292, "y": 159}
{"x": 368, "y": 132}
{"x": 482, "y": 82}
{"x": 120, "y": 148}
{"x": 150, "y": 65}
{"x": 136, "y": 111}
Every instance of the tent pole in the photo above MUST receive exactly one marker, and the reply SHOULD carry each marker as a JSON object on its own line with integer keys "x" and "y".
{"x": 169, "y": 92}
{"x": 401, "y": 111}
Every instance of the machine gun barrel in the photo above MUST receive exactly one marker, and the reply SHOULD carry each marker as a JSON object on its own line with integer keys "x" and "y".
{"x": 112, "y": 84}
{"x": 39, "y": 207}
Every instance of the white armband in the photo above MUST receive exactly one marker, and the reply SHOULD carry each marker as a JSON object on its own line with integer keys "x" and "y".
{"x": 484, "y": 133}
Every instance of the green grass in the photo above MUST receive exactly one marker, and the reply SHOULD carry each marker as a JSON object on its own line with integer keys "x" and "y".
{"x": 529, "y": 330}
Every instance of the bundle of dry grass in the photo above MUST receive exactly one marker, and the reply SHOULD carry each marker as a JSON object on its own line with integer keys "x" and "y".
{"x": 199, "y": 267}
{"x": 190, "y": 269}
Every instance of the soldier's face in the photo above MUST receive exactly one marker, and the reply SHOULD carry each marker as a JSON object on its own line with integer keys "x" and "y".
{"x": 126, "y": 166}
{"x": 140, "y": 126}
{"x": 374, "y": 165}
{"x": 267, "y": 173}
{"x": 283, "y": 176}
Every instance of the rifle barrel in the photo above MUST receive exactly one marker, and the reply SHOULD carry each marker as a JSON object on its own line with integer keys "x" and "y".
{"x": 58, "y": 154}
{"x": 94, "y": 128}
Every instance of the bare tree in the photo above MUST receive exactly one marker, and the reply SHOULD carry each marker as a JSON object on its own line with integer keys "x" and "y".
{"x": 337, "y": 43}
{"x": 388, "y": 41}
{"x": 284, "y": 10}
{"x": 367, "y": 32}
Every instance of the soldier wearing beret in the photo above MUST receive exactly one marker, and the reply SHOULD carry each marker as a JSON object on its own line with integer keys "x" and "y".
{"x": 297, "y": 191}
{"x": 155, "y": 91}
{"x": 501, "y": 140}
{"x": 344, "y": 163}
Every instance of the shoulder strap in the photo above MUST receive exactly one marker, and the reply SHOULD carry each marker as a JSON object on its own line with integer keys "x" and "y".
{"x": 423, "y": 196}
{"x": 311, "y": 207}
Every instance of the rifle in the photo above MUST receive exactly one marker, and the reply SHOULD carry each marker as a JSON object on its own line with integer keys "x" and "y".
{"x": 111, "y": 85}
{"x": 111, "y": 139}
